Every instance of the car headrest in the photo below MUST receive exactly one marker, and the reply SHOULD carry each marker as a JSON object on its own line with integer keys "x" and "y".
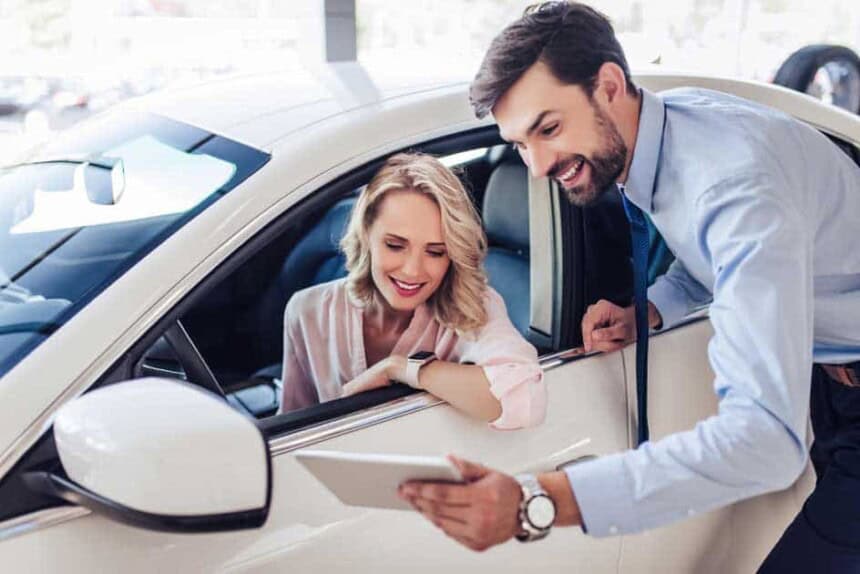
{"x": 317, "y": 257}
{"x": 506, "y": 206}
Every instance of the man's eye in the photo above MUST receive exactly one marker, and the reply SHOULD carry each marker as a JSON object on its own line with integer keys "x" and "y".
{"x": 549, "y": 130}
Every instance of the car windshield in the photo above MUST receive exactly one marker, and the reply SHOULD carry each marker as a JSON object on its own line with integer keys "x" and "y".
{"x": 95, "y": 202}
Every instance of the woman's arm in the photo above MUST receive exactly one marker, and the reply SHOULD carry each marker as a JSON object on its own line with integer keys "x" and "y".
{"x": 463, "y": 386}
{"x": 504, "y": 385}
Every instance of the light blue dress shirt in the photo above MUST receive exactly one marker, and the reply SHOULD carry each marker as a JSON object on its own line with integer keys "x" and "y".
{"x": 763, "y": 216}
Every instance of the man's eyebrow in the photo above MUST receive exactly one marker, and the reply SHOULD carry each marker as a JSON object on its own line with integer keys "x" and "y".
{"x": 534, "y": 125}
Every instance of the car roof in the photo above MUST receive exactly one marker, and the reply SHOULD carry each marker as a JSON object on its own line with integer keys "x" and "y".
{"x": 263, "y": 107}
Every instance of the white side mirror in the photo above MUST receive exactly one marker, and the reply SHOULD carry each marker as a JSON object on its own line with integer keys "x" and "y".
{"x": 161, "y": 454}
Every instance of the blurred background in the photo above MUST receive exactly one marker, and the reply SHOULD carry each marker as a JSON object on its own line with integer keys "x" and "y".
{"x": 62, "y": 60}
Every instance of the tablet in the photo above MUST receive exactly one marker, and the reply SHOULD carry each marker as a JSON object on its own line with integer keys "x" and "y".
{"x": 365, "y": 479}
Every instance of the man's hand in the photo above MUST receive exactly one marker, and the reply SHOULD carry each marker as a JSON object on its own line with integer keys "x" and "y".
{"x": 607, "y": 327}
{"x": 479, "y": 514}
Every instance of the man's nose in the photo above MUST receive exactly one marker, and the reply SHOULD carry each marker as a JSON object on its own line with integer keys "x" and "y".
{"x": 539, "y": 161}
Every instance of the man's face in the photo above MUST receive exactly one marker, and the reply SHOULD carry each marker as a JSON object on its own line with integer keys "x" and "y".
{"x": 562, "y": 133}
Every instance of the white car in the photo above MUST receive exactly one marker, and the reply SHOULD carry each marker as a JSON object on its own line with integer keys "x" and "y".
{"x": 158, "y": 244}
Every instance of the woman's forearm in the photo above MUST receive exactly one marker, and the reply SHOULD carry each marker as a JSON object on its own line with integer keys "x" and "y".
{"x": 464, "y": 386}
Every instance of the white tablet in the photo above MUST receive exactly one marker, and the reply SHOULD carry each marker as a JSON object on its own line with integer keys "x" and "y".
{"x": 372, "y": 479}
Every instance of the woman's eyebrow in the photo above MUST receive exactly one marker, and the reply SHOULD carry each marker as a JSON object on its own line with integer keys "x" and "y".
{"x": 403, "y": 239}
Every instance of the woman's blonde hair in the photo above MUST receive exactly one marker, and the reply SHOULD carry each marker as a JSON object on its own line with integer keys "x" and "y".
{"x": 458, "y": 303}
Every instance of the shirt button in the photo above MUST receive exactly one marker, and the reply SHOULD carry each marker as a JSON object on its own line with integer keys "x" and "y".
{"x": 613, "y": 530}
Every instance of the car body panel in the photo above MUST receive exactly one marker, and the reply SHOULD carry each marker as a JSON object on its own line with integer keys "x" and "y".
{"x": 309, "y": 528}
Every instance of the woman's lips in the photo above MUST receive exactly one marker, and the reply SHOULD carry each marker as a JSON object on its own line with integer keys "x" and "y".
{"x": 405, "y": 289}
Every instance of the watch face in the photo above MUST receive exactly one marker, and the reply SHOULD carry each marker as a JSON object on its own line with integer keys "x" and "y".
{"x": 541, "y": 512}
{"x": 421, "y": 355}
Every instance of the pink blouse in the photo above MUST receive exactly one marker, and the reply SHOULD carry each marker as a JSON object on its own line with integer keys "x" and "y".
{"x": 324, "y": 350}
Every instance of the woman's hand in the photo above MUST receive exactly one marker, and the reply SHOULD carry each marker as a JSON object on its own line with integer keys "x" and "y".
{"x": 379, "y": 375}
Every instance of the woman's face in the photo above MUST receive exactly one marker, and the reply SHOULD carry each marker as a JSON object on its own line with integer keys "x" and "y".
{"x": 408, "y": 258}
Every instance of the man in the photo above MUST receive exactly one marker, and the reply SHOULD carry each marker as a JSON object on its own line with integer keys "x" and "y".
{"x": 761, "y": 213}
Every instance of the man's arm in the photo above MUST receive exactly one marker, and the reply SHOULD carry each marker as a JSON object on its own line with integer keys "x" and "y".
{"x": 761, "y": 354}
{"x": 754, "y": 237}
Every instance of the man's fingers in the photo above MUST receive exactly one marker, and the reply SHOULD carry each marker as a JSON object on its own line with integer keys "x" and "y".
{"x": 435, "y": 511}
{"x": 450, "y": 494}
{"x": 470, "y": 471}
{"x": 619, "y": 332}
{"x": 597, "y": 316}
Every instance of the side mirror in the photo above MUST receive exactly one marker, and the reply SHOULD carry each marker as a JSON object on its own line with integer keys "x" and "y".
{"x": 162, "y": 455}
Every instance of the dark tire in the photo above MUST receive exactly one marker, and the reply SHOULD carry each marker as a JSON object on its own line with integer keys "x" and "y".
{"x": 799, "y": 70}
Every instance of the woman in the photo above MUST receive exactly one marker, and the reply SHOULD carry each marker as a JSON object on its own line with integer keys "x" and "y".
{"x": 416, "y": 288}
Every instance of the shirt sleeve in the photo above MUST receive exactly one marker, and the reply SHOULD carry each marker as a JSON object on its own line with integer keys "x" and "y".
{"x": 761, "y": 354}
{"x": 299, "y": 391}
{"x": 510, "y": 364}
{"x": 676, "y": 294}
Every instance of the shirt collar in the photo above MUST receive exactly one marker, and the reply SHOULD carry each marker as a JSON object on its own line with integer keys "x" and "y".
{"x": 639, "y": 186}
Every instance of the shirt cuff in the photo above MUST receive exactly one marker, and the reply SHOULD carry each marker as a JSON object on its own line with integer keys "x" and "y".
{"x": 603, "y": 493}
{"x": 521, "y": 390}
{"x": 669, "y": 302}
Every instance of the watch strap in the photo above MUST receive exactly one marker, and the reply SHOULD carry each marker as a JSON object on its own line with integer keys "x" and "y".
{"x": 531, "y": 489}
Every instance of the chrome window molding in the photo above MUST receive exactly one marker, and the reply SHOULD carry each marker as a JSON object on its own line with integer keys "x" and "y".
{"x": 352, "y": 422}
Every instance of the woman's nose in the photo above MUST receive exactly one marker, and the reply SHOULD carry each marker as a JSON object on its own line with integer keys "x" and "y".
{"x": 412, "y": 265}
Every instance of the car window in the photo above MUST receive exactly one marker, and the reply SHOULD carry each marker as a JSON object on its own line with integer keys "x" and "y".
{"x": 90, "y": 205}
{"x": 238, "y": 325}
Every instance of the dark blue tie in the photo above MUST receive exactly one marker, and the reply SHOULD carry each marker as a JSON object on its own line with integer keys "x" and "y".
{"x": 640, "y": 244}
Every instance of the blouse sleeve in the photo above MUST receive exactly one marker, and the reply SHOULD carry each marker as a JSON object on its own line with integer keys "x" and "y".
{"x": 299, "y": 391}
{"x": 510, "y": 363}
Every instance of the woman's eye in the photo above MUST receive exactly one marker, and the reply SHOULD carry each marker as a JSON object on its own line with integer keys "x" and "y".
{"x": 436, "y": 253}
{"x": 394, "y": 246}
{"x": 549, "y": 130}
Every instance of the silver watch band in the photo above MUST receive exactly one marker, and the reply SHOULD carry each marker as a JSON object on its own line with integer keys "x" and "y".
{"x": 533, "y": 491}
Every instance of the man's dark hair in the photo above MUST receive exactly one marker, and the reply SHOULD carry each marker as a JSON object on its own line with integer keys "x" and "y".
{"x": 572, "y": 39}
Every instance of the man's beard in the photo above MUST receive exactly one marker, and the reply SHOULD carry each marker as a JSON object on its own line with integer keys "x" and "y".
{"x": 606, "y": 165}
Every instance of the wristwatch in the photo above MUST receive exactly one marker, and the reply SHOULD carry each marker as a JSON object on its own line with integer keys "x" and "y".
{"x": 537, "y": 510}
{"x": 413, "y": 364}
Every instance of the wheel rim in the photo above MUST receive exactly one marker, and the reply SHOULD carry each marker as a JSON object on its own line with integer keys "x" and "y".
{"x": 837, "y": 82}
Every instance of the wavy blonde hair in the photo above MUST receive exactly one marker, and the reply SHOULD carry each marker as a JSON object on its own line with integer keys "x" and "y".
{"x": 458, "y": 303}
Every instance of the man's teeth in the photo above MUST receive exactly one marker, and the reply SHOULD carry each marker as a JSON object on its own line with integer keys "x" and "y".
{"x": 407, "y": 286}
{"x": 571, "y": 172}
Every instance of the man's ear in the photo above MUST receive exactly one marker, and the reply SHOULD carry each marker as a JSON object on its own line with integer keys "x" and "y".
{"x": 611, "y": 82}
